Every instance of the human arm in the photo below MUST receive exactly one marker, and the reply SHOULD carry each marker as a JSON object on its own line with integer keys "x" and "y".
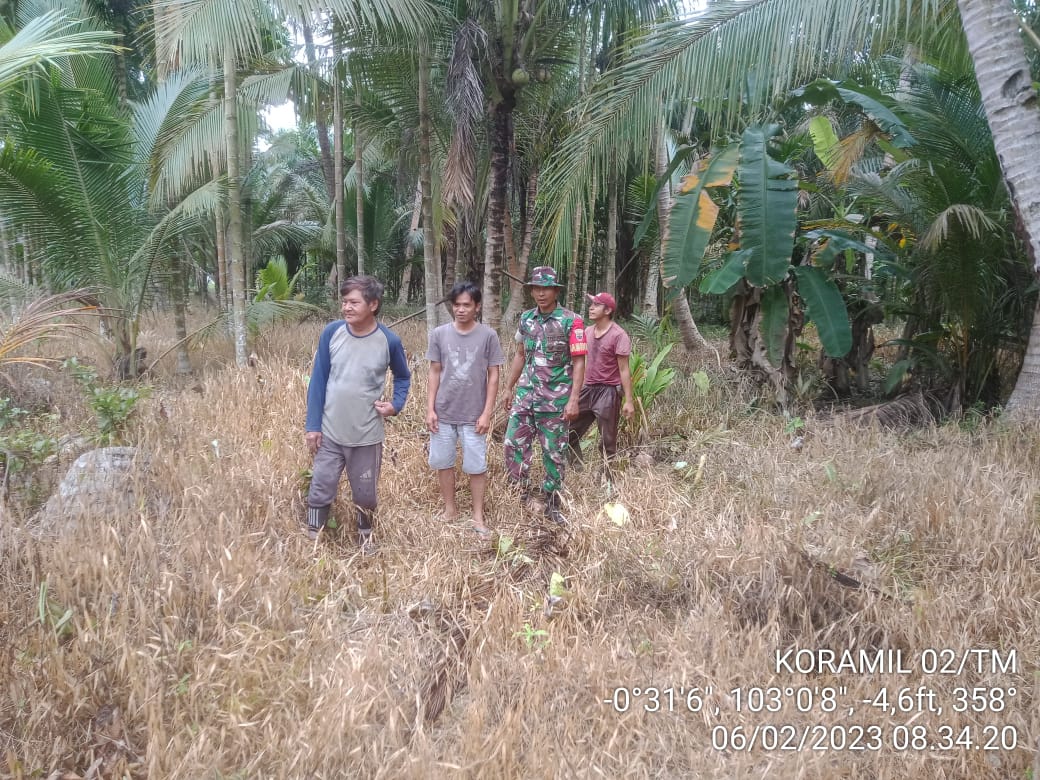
{"x": 402, "y": 376}
{"x": 516, "y": 366}
{"x": 570, "y": 411}
{"x": 579, "y": 347}
{"x": 628, "y": 406}
{"x": 316, "y": 386}
{"x": 433, "y": 383}
{"x": 484, "y": 421}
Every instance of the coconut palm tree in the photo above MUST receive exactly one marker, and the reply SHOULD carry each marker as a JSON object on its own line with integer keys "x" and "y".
{"x": 74, "y": 180}
{"x": 1009, "y": 100}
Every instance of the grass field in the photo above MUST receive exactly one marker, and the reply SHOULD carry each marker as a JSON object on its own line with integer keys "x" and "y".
{"x": 202, "y": 636}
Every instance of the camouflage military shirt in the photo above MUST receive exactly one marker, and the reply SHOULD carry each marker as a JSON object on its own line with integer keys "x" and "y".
{"x": 550, "y": 342}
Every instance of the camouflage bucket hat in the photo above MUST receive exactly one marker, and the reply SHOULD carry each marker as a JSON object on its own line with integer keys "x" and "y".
{"x": 543, "y": 276}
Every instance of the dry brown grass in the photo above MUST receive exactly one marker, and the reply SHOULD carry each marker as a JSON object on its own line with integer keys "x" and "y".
{"x": 210, "y": 639}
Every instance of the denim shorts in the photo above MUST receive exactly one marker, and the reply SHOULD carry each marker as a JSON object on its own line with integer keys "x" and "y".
{"x": 474, "y": 448}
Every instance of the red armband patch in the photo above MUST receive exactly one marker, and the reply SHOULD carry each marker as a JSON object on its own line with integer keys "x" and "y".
{"x": 577, "y": 340}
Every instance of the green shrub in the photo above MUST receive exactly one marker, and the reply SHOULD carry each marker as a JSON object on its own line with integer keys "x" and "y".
{"x": 648, "y": 382}
{"x": 113, "y": 406}
{"x": 20, "y": 447}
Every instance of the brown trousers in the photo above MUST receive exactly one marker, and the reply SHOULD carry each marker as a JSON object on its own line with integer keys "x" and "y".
{"x": 600, "y": 404}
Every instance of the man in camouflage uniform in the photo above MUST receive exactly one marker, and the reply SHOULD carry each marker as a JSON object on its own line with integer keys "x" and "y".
{"x": 549, "y": 365}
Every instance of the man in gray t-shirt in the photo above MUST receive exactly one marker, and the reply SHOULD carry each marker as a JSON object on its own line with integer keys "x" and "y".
{"x": 345, "y": 406}
{"x": 465, "y": 361}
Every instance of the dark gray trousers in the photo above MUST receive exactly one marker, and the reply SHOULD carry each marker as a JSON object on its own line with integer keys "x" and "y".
{"x": 362, "y": 465}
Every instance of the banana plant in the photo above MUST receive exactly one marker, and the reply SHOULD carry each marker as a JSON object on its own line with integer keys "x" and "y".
{"x": 759, "y": 264}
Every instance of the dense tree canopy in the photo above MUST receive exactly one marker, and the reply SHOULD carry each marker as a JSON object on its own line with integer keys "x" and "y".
{"x": 827, "y": 163}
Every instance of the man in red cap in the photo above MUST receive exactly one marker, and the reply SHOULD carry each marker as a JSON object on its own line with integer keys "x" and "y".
{"x": 607, "y": 377}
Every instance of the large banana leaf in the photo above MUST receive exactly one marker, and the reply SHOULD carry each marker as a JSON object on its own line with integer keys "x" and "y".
{"x": 726, "y": 275}
{"x": 768, "y": 198}
{"x": 651, "y": 213}
{"x": 823, "y": 91}
{"x": 823, "y": 302}
{"x": 825, "y": 141}
{"x": 692, "y": 218}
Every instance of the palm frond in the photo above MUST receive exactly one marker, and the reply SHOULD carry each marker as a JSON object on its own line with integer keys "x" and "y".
{"x": 971, "y": 218}
{"x": 46, "y": 40}
{"x": 197, "y": 32}
{"x": 44, "y": 319}
{"x": 408, "y": 17}
{"x": 272, "y": 238}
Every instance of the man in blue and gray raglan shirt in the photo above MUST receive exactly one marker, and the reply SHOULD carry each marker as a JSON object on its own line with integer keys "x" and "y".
{"x": 345, "y": 409}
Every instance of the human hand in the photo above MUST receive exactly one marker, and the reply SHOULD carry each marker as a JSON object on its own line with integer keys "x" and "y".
{"x": 483, "y": 424}
{"x": 431, "y": 421}
{"x": 628, "y": 409}
{"x": 384, "y": 408}
{"x": 570, "y": 411}
{"x": 507, "y": 403}
{"x": 313, "y": 439}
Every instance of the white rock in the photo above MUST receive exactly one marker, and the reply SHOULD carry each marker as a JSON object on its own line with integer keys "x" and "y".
{"x": 101, "y": 482}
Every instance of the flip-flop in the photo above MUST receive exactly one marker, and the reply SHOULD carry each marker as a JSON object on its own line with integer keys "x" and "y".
{"x": 482, "y": 532}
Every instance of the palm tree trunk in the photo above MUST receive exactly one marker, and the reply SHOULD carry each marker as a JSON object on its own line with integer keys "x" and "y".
{"x": 409, "y": 247}
{"x": 220, "y": 239}
{"x": 235, "y": 256}
{"x": 179, "y": 289}
{"x": 508, "y": 249}
{"x": 572, "y": 265}
{"x": 6, "y": 257}
{"x": 498, "y": 201}
{"x": 327, "y": 165}
{"x": 519, "y": 270}
{"x": 359, "y": 186}
{"x": 337, "y": 140}
{"x": 1010, "y": 103}
{"x": 585, "y": 269}
{"x": 585, "y": 273}
{"x": 691, "y": 336}
{"x": 246, "y": 194}
{"x": 431, "y": 260}
{"x": 610, "y": 262}
{"x": 648, "y": 275}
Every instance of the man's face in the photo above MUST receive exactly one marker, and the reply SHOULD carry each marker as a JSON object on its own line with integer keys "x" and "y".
{"x": 545, "y": 297}
{"x": 597, "y": 311}
{"x": 465, "y": 309}
{"x": 356, "y": 310}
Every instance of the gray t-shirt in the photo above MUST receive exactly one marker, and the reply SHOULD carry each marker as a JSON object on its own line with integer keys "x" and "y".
{"x": 357, "y": 377}
{"x": 465, "y": 359}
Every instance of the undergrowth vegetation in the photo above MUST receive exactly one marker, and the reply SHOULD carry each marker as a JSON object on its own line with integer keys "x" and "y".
{"x": 203, "y": 636}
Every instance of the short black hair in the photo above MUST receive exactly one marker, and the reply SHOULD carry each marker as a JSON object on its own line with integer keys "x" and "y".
{"x": 370, "y": 287}
{"x": 465, "y": 287}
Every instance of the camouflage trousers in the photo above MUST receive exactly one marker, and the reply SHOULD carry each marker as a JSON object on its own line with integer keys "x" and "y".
{"x": 551, "y": 430}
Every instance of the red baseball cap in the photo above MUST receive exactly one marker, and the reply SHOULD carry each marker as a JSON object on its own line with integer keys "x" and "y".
{"x": 603, "y": 299}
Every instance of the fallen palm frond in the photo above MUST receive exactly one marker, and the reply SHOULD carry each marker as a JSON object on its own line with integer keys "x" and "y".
{"x": 45, "y": 319}
{"x": 901, "y": 413}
